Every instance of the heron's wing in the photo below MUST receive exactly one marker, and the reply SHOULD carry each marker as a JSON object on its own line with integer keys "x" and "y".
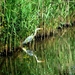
{"x": 28, "y": 39}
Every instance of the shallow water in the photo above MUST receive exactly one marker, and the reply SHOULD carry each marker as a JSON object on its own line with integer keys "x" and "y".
{"x": 58, "y": 52}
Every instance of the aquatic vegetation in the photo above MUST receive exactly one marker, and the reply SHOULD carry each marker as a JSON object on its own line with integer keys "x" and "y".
{"x": 57, "y": 51}
{"x": 20, "y": 18}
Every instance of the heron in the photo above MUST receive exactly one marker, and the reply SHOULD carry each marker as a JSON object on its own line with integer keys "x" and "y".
{"x": 29, "y": 52}
{"x": 31, "y": 37}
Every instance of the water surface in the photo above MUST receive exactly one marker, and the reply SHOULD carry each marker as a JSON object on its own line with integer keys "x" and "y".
{"x": 58, "y": 52}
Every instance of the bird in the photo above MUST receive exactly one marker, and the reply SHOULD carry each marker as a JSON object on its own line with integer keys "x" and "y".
{"x": 31, "y": 53}
{"x": 31, "y": 37}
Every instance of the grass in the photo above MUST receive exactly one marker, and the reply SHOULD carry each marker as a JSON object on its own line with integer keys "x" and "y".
{"x": 20, "y": 18}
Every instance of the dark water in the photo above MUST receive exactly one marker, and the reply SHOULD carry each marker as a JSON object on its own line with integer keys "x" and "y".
{"x": 58, "y": 52}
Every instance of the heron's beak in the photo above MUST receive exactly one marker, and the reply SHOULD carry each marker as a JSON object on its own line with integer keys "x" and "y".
{"x": 41, "y": 28}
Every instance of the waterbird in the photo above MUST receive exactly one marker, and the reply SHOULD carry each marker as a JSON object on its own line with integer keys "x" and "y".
{"x": 31, "y": 53}
{"x": 31, "y": 37}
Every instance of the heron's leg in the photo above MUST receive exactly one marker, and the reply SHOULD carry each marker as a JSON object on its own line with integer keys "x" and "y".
{"x": 29, "y": 44}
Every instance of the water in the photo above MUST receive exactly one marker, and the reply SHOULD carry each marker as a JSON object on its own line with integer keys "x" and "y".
{"x": 58, "y": 52}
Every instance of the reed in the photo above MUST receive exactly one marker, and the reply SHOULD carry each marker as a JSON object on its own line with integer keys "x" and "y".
{"x": 19, "y": 18}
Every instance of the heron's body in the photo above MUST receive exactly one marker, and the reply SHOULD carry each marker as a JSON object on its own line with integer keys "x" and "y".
{"x": 28, "y": 39}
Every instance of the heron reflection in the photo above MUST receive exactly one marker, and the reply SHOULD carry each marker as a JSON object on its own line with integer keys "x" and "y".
{"x": 29, "y": 52}
{"x": 31, "y": 37}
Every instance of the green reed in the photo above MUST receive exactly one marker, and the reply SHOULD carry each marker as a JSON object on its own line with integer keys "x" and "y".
{"x": 19, "y": 18}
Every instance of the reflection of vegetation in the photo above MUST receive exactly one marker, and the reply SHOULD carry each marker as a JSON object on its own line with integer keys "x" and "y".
{"x": 13, "y": 66}
{"x": 59, "y": 55}
{"x": 18, "y": 18}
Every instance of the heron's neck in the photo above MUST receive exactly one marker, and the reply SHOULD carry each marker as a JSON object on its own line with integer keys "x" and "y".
{"x": 35, "y": 32}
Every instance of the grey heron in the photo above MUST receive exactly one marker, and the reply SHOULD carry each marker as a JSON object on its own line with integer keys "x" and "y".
{"x": 31, "y": 37}
{"x": 29, "y": 52}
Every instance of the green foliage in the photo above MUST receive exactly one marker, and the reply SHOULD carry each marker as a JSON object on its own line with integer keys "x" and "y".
{"x": 21, "y": 17}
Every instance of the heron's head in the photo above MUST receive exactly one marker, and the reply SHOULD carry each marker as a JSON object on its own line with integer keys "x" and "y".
{"x": 38, "y": 29}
